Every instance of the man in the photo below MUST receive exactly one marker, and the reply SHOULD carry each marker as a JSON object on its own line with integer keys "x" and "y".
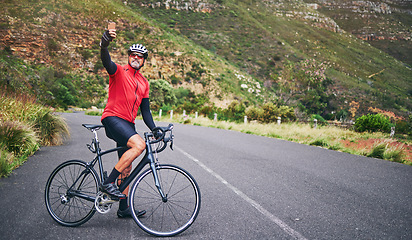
{"x": 128, "y": 90}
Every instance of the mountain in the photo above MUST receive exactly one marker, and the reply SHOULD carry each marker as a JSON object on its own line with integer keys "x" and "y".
{"x": 385, "y": 25}
{"x": 287, "y": 52}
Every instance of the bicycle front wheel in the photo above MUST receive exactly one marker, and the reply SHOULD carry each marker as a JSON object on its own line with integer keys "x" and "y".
{"x": 70, "y": 193}
{"x": 173, "y": 214}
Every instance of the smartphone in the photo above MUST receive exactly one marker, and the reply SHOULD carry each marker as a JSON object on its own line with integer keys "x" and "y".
{"x": 112, "y": 25}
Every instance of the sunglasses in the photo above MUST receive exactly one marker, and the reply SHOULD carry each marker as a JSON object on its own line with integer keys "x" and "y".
{"x": 138, "y": 55}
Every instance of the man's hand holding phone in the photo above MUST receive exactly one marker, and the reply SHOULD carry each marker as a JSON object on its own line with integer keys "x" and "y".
{"x": 112, "y": 30}
{"x": 108, "y": 35}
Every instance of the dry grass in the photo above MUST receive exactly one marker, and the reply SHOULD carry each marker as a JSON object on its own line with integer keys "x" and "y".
{"x": 329, "y": 137}
{"x": 24, "y": 126}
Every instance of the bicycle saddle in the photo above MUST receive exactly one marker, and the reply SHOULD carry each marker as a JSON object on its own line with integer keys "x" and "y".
{"x": 92, "y": 126}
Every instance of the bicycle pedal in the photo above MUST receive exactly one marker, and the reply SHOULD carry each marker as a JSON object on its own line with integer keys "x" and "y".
{"x": 114, "y": 199}
{"x": 107, "y": 198}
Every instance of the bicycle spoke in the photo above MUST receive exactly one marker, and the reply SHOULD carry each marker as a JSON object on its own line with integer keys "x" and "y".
{"x": 153, "y": 192}
{"x": 174, "y": 203}
{"x": 169, "y": 206}
{"x": 63, "y": 204}
{"x": 180, "y": 191}
{"x": 175, "y": 213}
{"x": 172, "y": 183}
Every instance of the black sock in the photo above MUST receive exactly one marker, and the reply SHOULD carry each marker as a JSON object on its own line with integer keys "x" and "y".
{"x": 112, "y": 177}
{"x": 123, "y": 204}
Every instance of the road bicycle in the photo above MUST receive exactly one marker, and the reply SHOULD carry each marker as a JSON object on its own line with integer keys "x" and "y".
{"x": 169, "y": 194}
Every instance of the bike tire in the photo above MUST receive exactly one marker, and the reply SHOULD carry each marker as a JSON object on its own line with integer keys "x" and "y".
{"x": 63, "y": 206}
{"x": 171, "y": 217}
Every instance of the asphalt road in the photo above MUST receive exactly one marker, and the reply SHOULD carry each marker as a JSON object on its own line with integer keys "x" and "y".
{"x": 252, "y": 188}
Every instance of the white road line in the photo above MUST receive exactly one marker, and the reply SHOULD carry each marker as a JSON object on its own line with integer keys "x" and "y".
{"x": 252, "y": 202}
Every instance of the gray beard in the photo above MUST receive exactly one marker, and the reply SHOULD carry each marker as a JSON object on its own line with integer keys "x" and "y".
{"x": 135, "y": 65}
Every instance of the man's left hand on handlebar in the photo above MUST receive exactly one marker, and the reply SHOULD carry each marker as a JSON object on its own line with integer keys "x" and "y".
{"x": 157, "y": 133}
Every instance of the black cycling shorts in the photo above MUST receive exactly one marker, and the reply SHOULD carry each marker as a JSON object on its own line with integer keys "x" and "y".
{"x": 119, "y": 129}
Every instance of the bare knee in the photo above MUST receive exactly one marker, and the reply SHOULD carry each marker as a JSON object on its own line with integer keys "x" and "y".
{"x": 137, "y": 144}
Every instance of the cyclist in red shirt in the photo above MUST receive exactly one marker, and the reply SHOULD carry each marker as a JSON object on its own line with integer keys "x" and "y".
{"x": 128, "y": 90}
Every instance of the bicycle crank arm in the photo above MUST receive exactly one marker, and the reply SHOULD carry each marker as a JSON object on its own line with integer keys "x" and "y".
{"x": 103, "y": 202}
{"x": 108, "y": 201}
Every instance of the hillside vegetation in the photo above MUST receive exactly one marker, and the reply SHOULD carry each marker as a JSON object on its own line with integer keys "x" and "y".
{"x": 385, "y": 24}
{"x": 264, "y": 37}
{"x": 251, "y": 52}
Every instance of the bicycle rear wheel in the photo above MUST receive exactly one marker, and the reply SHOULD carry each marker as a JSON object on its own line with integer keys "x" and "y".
{"x": 70, "y": 193}
{"x": 170, "y": 216}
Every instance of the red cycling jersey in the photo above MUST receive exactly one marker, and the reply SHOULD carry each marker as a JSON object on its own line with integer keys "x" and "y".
{"x": 127, "y": 88}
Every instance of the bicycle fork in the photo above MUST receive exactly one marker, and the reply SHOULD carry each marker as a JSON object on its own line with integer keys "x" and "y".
{"x": 156, "y": 176}
{"x": 147, "y": 159}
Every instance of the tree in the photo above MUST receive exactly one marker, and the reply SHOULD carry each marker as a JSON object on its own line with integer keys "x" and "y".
{"x": 161, "y": 93}
{"x": 307, "y": 83}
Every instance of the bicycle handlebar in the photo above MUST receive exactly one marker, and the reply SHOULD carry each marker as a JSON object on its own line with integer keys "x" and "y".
{"x": 162, "y": 137}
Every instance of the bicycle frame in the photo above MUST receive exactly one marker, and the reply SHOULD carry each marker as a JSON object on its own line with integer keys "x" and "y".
{"x": 147, "y": 159}
{"x": 72, "y": 193}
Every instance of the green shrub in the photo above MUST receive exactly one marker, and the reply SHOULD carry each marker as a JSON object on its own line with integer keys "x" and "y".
{"x": 378, "y": 150}
{"x": 269, "y": 112}
{"x": 24, "y": 125}
{"x": 235, "y": 111}
{"x": 166, "y": 108}
{"x": 253, "y": 113}
{"x": 97, "y": 66}
{"x": 394, "y": 154}
{"x": 51, "y": 128}
{"x": 404, "y": 127}
{"x": 342, "y": 115}
{"x": 319, "y": 118}
{"x": 384, "y": 150}
{"x": 373, "y": 123}
{"x": 6, "y": 158}
{"x": 93, "y": 113}
{"x": 86, "y": 53}
{"x": 287, "y": 113}
{"x": 175, "y": 80}
{"x": 17, "y": 138}
{"x": 206, "y": 110}
{"x": 161, "y": 93}
{"x": 52, "y": 45}
{"x": 129, "y": 36}
{"x": 319, "y": 142}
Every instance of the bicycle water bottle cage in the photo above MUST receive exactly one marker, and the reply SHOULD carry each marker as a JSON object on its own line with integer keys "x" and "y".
{"x": 91, "y": 147}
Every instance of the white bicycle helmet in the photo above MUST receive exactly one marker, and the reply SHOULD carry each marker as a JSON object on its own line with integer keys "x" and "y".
{"x": 138, "y": 48}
